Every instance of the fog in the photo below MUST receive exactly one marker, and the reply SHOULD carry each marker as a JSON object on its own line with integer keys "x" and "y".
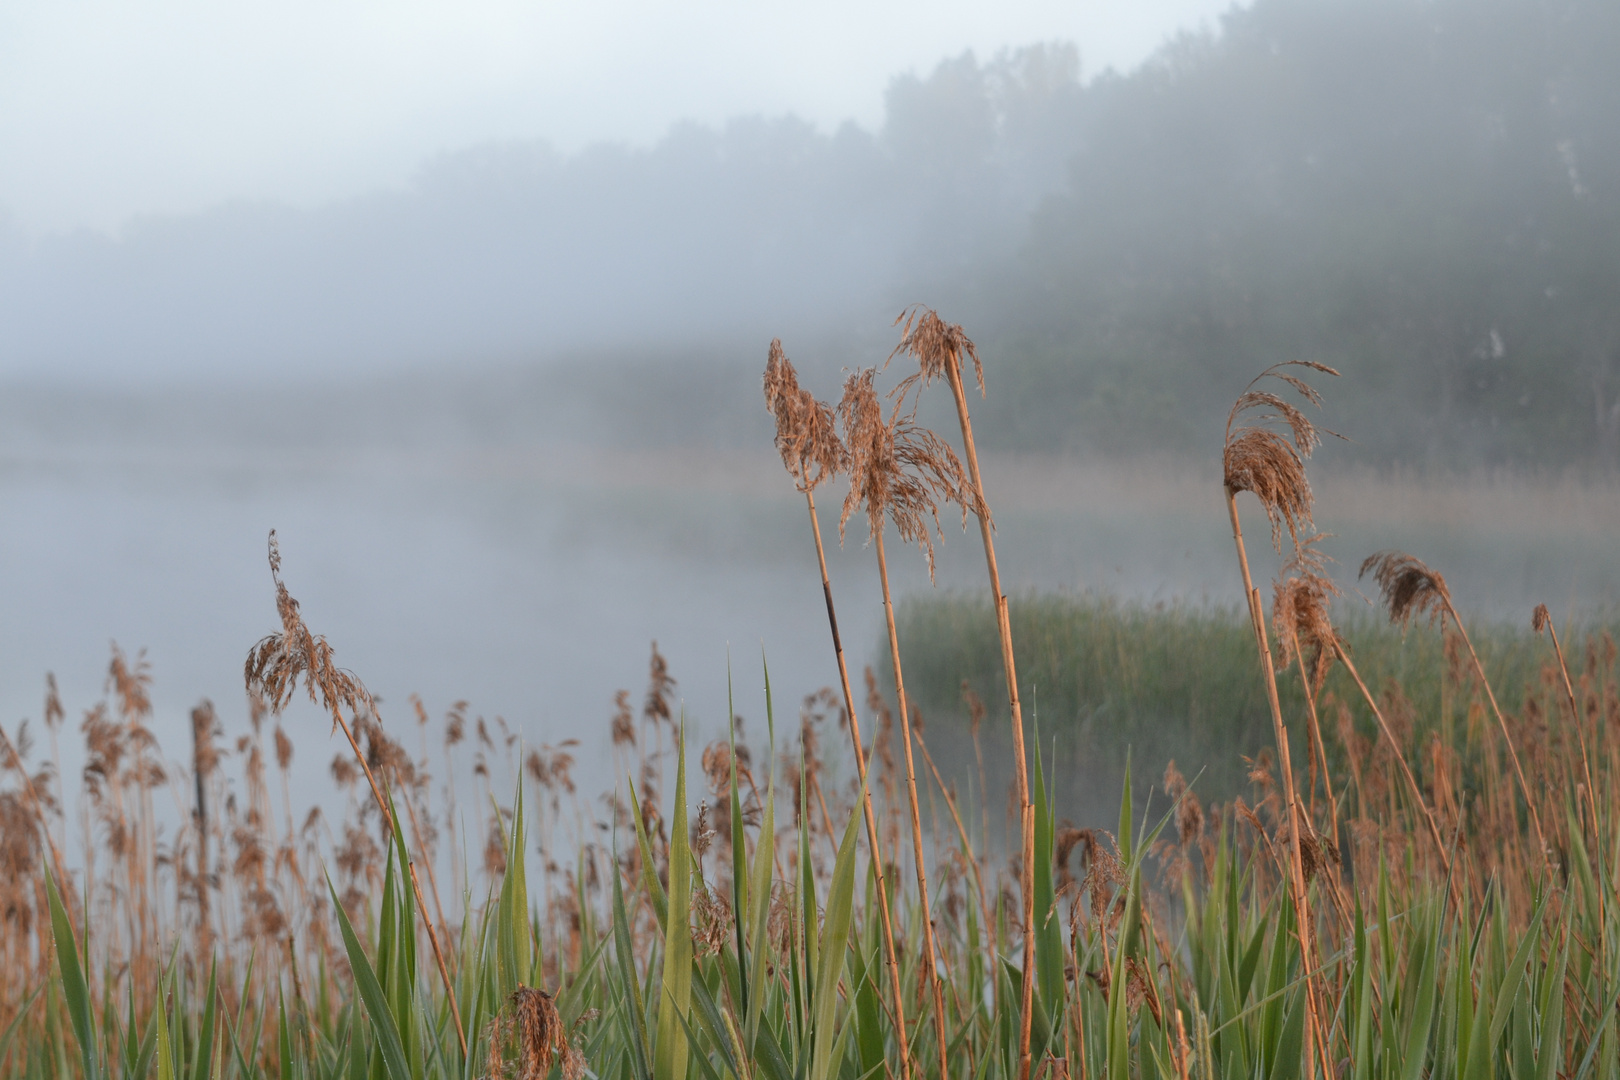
{"x": 505, "y": 413}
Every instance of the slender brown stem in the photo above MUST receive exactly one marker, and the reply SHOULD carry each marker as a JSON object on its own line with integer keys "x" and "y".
{"x": 1406, "y": 771}
{"x": 1580, "y": 732}
{"x": 1026, "y": 810}
{"x": 1302, "y": 909}
{"x": 1513, "y": 755}
{"x": 433, "y": 879}
{"x": 967, "y": 844}
{"x": 1586, "y": 767}
{"x": 410, "y": 866}
{"x": 930, "y": 963}
{"x": 1318, "y": 747}
{"x": 889, "y": 959}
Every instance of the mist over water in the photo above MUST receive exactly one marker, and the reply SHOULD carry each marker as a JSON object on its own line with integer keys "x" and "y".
{"x": 454, "y": 555}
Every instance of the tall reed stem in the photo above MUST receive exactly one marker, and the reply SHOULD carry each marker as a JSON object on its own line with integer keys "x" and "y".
{"x": 930, "y": 961}
{"x": 1302, "y": 910}
{"x": 866, "y": 799}
{"x": 1026, "y": 810}
{"x": 1513, "y": 755}
{"x": 1406, "y": 771}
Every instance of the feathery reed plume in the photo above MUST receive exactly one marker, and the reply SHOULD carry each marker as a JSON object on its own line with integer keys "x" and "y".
{"x": 273, "y": 669}
{"x": 1258, "y": 458}
{"x": 896, "y": 471}
{"x": 204, "y": 760}
{"x": 1263, "y": 460}
{"x": 532, "y": 1022}
{"x": 1410, "y": 588}
{"x": 11, "y": 758}
{"x": 807, "y": 438}
{"x": 1299, "y": 614}
{"x": 942, "y": 348}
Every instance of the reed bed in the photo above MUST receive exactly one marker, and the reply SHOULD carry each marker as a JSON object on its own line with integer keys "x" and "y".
{"x": 1415, "y": 876}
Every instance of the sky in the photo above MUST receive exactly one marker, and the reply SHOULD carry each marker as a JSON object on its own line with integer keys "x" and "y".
{"x": 113, "y": 109}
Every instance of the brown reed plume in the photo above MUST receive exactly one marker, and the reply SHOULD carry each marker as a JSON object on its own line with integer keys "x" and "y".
{"x": 898, "y": 472}
{"x": 807, "y": 438}
{"x": 273, "y": 669}
{"x": 1299, "y": 609}
{"x": 942, "y": 348}
{"x": 1268, "y": 439}
{"x": 531, "y": 1021}
{"x": 12, "y": 759}
{"x": 1410, "y": 588}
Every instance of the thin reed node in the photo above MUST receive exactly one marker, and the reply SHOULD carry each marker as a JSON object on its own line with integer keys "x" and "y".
{"x": 273, "y": 669}
{"x": 942, "y": 348}
{"x": 1267, "y": 441}
{"x": 807, "y": 438}
{"x": 897, "y": 472}
{"x": 1410, "y": 588}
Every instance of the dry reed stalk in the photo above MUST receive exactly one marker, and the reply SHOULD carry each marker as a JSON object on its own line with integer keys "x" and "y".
{"x": 1540, "y": 620}
{"x": 962, "y": 833}
{"x": 1400, "y": 760}
{"x": 942, "y": 348}
{"x": 896, "y": 471}
{"x": 273, "y": 668}
{"x": 1261, "y": 460}
{"x": 807, "y": 439}
{"x": 1411, "y": 588}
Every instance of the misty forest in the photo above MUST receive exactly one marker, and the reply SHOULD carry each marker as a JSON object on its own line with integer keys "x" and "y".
{"x": 1127, "y": 557}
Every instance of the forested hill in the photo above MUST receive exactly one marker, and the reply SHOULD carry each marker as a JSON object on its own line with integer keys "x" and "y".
{"x": 1423, "y": 193}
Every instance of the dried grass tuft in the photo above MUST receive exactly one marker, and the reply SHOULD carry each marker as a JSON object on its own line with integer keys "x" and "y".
{"x": 898, "y": 469}
{"x": 1268, "y": 439}
{"x": 1409, "y": 588}
{"x": 806, "y": 435}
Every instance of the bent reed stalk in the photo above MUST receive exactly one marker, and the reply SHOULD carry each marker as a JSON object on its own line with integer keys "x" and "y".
{"x": 1409, "y": 587}
{"x": 272, "y": 671}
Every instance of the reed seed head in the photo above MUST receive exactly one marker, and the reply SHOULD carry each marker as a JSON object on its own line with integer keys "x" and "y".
{"x": 1409, "y": 588}
{"x": 1300, "y": 610}
{"x": 806, "y": 435}
{"x": 938, "y": 347}
{"x": 897, "y": 469}
{"x": 278, "y": 661}
{"x": 1540, "y": 619}
{"x": 1268, "y": 439}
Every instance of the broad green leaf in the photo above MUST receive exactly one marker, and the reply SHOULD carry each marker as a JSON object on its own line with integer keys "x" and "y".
{"x": 372, "y": 996}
